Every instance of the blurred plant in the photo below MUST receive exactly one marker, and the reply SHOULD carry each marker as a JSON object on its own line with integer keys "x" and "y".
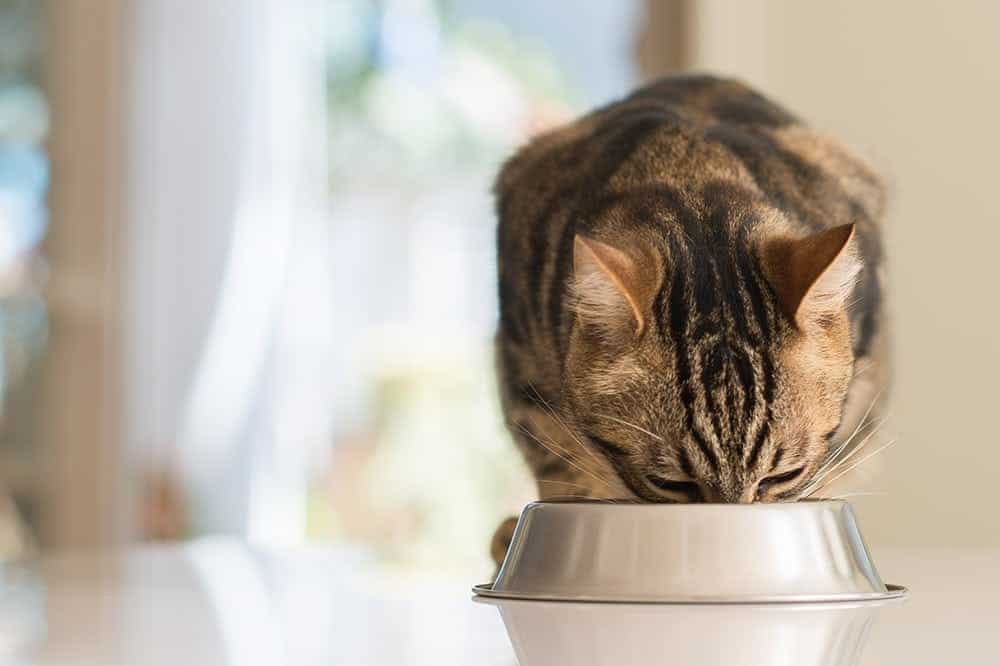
{"x": 410, "y": 86}
{"x": 423, "y": 106}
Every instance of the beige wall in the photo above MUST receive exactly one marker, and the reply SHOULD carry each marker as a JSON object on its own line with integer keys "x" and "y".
{"x": 917, "y": 86}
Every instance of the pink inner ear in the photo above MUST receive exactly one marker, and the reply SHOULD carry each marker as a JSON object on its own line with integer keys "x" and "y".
{"x": 607, "y": 286}
{"x": 813, "y": 276}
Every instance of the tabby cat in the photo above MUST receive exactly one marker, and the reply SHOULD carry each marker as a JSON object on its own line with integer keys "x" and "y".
{"x": 689, "y": 285}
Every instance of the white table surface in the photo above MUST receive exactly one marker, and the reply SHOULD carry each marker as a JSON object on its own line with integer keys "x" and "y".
{"x": 219, "y": 602}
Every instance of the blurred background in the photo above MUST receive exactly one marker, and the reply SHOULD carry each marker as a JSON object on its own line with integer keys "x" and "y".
{"x": 247, "y": 262}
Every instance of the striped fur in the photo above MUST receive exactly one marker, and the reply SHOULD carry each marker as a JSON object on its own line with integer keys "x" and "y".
{"x": 716, "y": 392}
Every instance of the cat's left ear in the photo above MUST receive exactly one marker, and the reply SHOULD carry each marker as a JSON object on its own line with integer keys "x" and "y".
{"x": 609, "y": 287}
{"x": 813, "y": 276}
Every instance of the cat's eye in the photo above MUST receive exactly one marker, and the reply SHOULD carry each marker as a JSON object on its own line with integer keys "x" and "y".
{"x": 609, "y": 448}
{"x": 778, "y": 480}
{"x": 689, "y": 489}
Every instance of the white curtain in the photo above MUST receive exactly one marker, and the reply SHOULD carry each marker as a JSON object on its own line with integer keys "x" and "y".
{"x": 229, "y": 318}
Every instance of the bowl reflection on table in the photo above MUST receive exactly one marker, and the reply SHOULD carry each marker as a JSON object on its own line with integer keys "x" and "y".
{"x": 600, "y": 634}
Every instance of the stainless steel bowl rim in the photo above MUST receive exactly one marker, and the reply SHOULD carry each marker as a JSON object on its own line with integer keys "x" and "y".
{"x": 892, "y": 592}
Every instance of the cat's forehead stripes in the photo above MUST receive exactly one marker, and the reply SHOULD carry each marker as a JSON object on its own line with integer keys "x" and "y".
{"x": 716, "y": 314}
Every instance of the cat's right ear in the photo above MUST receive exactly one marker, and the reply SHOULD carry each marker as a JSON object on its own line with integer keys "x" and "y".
{"x": 813, "y": 276}
{"x": 607, "y": 288}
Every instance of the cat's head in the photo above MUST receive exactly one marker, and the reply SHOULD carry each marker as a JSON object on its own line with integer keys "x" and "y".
{"x": 712, "y": 369}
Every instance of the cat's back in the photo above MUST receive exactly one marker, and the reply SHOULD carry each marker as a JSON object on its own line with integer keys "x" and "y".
{"x": 685, "y": 133}
{"x": 675, "y": 149}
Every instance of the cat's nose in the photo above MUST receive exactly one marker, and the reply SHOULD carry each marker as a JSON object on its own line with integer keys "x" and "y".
{"x": 729, "y": 494}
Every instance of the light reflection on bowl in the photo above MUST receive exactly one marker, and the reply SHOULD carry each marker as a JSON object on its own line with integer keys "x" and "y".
{"x": 696, "y": 553}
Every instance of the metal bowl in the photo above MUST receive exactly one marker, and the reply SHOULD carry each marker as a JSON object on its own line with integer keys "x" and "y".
{"x": 691, "y": 553}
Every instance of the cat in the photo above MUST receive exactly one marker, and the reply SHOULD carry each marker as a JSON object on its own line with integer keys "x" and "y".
{"x": 690, "y": 286}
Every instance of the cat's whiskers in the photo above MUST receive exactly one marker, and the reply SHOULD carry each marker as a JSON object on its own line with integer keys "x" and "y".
{"x": 854, "y": 302}
{"x": 855, "y": 465}
{"x": 831, "y": 469}
{"x": 833, "y": 457}
{"x": 631, "y": 425}
{"x": 562, "y": 483}
{"x": 562, "y": 455}
{"x": 860, "y": 494}
{"x": 876, "y": 429}
{"x": 605, "y": 500}
{"x": 864, "y": 422}
{"x": 839, "y": 456}
{"x": 546, "y": 407}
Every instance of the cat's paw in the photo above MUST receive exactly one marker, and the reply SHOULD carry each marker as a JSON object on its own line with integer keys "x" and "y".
{"x": 501, "y": 540}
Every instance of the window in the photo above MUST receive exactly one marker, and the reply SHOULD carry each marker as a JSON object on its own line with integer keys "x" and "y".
{"x": 23, "y": 219}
